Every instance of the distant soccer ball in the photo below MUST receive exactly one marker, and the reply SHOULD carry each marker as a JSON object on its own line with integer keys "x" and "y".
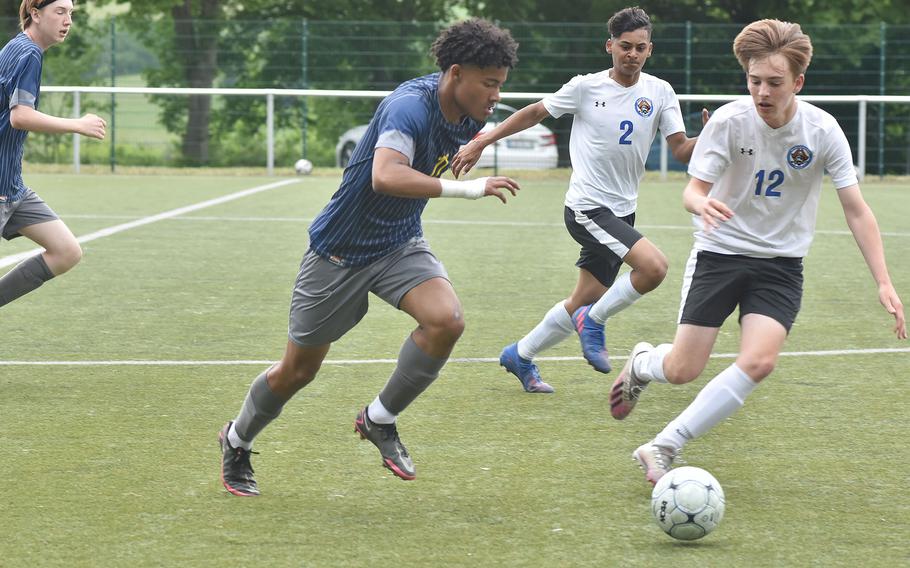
{"x": 687, "y": 503}
{"x": 303, "y": 167}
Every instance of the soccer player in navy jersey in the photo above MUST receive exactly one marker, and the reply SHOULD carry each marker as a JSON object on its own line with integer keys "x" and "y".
{"x": 22, "y": 213}
{"x": 369, "y": 239}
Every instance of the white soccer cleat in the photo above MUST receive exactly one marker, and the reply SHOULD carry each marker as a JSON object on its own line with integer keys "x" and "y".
{"x": 654, "y": 460}
{"x": 627, "y": 387}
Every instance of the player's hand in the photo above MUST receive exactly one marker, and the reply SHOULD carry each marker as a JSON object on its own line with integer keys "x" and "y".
{"x": 93, "y": 126}
{"x": 496, "y": 185}
{"x": 890, "y": 300}
{"x": 705, "y": 115}
{"x": 466, "y": 157}
{"x": 713, "y": 213}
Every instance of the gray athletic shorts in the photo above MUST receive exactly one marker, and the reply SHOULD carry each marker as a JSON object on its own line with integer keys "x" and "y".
{"x": 328, "y": 300}
{"x": 30, "y": 210}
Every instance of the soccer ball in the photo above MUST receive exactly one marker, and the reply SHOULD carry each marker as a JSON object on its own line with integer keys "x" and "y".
{"x": 303, "y": 167}
{"x": 687, "y": 503}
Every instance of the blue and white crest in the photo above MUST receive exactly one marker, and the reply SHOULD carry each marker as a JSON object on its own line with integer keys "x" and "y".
{"x": 644, "y": 107}
{"x": 799, "y": 157}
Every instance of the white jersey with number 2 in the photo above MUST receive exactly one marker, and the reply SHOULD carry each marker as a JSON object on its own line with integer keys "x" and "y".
{"x": 612, "y": 132}
{"x": 770, "y": 177}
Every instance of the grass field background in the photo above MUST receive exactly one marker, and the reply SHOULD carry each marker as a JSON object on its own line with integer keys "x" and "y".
{"x": 112, "y": 464}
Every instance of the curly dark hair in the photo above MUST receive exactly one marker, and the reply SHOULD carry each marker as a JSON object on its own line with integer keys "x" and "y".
{"x": 629, "y": 20}
{"x": 475, "y": 42}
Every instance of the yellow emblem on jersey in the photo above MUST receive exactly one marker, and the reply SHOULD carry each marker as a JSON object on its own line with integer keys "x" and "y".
{"x": 442, "y": 162}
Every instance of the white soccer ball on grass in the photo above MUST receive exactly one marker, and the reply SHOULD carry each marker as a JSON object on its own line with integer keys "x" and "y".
{"x": 303, "y": 167}
{"x": 687, "y": 503}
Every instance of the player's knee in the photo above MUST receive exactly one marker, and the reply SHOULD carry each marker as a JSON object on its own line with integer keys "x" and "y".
{"x": 757, "y": 367}
{"x": 652, "y": 273}
{"x": 453, "y": 328}
{"x": 446, "y": 329}
{"x": 74, "y": 254}
{"x": 65, "y": 257}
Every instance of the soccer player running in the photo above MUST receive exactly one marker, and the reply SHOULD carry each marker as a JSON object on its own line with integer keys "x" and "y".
{"x": 369, "y": 239}
{"x": 617, "y": 114}
{"x": 756, "y": 180}
{"x": 22, "y": 213}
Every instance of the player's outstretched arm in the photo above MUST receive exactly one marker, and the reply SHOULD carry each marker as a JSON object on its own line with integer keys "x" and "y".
{"x": 26, "y": 118}
{"x": 864, "y": 227}
{"x": 496, "y": 186}
{"x": 393, "y": 175}
{"x": 681, "y": 146}
{"x": 696, "y": 201}
{"x": 468, "y": 155}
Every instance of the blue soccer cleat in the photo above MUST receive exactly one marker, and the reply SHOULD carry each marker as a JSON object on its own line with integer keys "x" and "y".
{"x": 593, "y": 343}
{"x": 524, "y": 369}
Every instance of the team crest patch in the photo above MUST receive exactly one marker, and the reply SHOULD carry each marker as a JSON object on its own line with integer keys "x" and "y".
{"x": 644, "y": 107}
{"x": 799, "y": 157}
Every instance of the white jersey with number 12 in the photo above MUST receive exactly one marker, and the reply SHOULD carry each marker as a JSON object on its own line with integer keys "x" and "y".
{"x": 770, "y": 177}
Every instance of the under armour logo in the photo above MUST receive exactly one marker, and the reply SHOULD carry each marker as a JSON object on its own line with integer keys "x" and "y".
{"x": 684, "y": 432}
{"x": 600, "y": 103}
{"x": 750, "y": 151}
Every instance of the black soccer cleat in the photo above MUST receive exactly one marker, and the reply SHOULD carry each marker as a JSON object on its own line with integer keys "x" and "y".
{"x": 236, "y": 470}
{"x": 385, "y": 437}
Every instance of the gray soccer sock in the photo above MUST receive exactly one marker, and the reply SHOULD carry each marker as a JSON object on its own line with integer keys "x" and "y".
{"x": 260, "y": 407}
{"x": 25, "y": 277}
{"x": 414, "y": 373}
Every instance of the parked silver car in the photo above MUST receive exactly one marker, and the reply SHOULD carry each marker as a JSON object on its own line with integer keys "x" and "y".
{"x": 532, "y": 149}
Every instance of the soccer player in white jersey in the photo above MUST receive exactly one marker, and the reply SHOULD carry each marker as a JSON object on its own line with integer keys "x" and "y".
{"x": 756, "y": 179}
{"x": 617, "y": 114}
{"x": 22, "y": 212}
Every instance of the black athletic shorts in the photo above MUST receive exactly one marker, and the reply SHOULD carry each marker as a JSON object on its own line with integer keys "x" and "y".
{"x": 714, "y": 284}
{"x": 605, "y": 240}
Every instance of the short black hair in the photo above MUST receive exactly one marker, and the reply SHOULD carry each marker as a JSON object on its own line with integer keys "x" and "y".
{"x": 629, "y": 20}
{"x": 475, "y": 42}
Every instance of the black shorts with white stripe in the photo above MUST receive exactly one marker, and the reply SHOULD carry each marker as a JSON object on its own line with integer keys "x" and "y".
{"x": 605, "y": 240}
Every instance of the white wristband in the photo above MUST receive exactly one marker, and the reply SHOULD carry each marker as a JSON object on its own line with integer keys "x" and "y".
{"x": 470, "y": 189}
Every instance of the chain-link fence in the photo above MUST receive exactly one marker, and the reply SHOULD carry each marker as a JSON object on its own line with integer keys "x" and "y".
{"x": 168, "y": 130}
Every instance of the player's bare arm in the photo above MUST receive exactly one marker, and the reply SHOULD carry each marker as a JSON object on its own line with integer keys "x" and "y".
{"x": 681, "y": 146}
{"x": 864, "y": 227}
{"x": 26, "y": 118}
{"x": 696, "y": 201}
{"x": 525, "y": 118}
{"x": 393, "y": 175}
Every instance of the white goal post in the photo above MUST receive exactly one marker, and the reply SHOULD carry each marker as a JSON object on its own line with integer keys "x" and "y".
{"x": 861, "y": 102}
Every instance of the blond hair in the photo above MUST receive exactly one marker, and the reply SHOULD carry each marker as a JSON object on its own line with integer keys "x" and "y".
{"x": 25, "y": 11}
{"x": 764, "y": 38}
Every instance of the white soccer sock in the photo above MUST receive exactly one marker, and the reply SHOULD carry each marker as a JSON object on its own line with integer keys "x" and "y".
{"x": 721, "y": 397}
{"x": 649, "y": 366}
{"x": 379, "y": 414}
{"x": 620, "y": 296}
{"x": 553, "y": 328}
{"x": 236, "y": 441}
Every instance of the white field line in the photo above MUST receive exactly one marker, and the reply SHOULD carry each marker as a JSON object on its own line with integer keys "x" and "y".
{"x": 455, "y": 360}
{"x": 688, "y": 228}
{"x": 15, "y": 258}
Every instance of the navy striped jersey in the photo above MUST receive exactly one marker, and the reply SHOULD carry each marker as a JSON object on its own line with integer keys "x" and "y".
{"x": 359, "y": 226}
{"x": 20, "y": 83}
